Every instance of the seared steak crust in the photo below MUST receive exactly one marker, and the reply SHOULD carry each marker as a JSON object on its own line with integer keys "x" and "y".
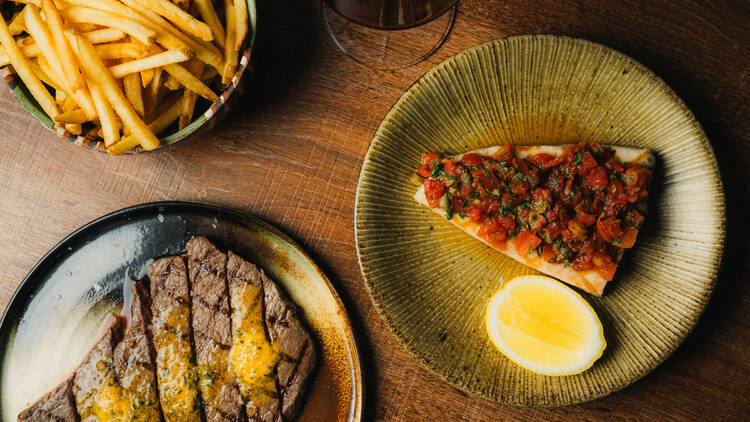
{"x": 96, "y": 372}
{"x": 285, "y": 329}
{"x": 241, "y": 275}
{"x": 58, "y": 405}
{"x": 134, "y": 359}
{"x": 212, "y": 331}
{"x": 176, "y": 372}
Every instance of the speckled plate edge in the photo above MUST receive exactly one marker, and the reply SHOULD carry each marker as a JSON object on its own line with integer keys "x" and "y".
{"x": 657, "y": 81}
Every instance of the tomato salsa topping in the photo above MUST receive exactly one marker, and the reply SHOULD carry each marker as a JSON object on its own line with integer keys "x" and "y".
{"x": 578, "y": 209}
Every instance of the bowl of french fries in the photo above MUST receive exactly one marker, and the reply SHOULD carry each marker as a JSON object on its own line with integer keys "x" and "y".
{"x": 126, "y": 75}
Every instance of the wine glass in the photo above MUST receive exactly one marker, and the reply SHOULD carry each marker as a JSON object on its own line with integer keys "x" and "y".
{"x": 388, "y": 34}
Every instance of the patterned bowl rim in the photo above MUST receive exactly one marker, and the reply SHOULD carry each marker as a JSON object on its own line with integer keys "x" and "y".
{"x": 409, "y": 92}
{"x": 19, "y": 91}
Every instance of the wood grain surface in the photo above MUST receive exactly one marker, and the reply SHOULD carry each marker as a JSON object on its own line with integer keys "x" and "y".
{"x": 291, "y": 153}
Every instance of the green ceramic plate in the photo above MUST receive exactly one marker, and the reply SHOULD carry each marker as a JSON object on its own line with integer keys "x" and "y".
{"x": 430, "y": 282}
{"x": 55, "y": 314}
{"x": 210, "y": 117}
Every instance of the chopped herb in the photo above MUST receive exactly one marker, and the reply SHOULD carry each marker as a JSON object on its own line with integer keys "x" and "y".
{"x": 555, "y": 182}
{"x": 579, "y": 158}
{"x": 530, "y": 249}
{"x": 520, "y": 176}
{"x": 525, "y": 205}
{"x": 504, "y": 152}
{"x": 617, "y": 241}
{"x": 487, "y": 174}
{"x": 437, "y": 169}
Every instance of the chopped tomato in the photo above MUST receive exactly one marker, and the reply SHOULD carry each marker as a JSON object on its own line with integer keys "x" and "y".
{"x": 582, "y": 262}
{"x": 545, "y": 161}
{"x": 609, "y": 229}
{"x": 504, "y": 153}
{"x": 425, "y": 169}
{"x": 586, "y": 219}
{"x": 475, "y": 213}
{"x": 526, "y": 241}
{"x": 578, "y": 229}
{"x": 627, "y": 240}
{"x": 598, "y": 178}
{"x": 588, "y": 162}
{"x": 433, "y": 191}
{"x": 450, "y": 167}
{"x": 508, "y": 223}
{"x": 472, "y": 160}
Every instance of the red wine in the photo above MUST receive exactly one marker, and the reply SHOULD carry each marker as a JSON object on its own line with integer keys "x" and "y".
{"x": 390, "y": 14}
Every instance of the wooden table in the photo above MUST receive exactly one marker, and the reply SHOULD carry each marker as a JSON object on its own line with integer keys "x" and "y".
{"x": 292, "y": 151}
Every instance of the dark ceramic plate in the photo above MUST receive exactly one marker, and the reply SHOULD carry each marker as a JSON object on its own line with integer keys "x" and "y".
{"x": 56, "y": 313}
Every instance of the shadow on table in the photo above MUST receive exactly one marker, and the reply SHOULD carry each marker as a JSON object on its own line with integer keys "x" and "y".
{"x": 285, "y": 44}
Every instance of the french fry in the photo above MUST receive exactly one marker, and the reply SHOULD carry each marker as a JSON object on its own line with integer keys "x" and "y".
{"x": 74, "y": 128}
{"x": 69, "y": 104}
{"x": 60, "y": 96}
{"x": 165, "y": 39}
{"x": 126, "y": 144}
{"x": 69, "y": 63}
{"x": 208, "y": 13}
{"x": 240, "y": 20}
{"x": 172, "y": 84}
{"x": 108, "y": 120}
{"x": 152, "y": 93}
{"x": 166, "y": 115}
{"x": 132, "y": 86}
{"x": 51, "y": 74}
{"x": 195, "y": 67}
{"x": 190, "y": 82}
{"x": 37, "y": 70}
{"x": 230, "y": 53}
{"x": 87, "y": 15}
{"x": 157, "y": 60}
{"x": 146, "y": 77}
{"x": 41, "y": 35}
{"x": 21, "y": 66}
{"x": 82, "y": 26}
{"x": 179, "y": 18}
{"x": 28, "y": 51}
{"x": 123, "y": 50}
{"x": 17, "y": 25}
{"x": 99, "y": 76}
{"x": 205, "y": 51}
{"x": 73, "y": 116}
{"x": 100, "y": 36}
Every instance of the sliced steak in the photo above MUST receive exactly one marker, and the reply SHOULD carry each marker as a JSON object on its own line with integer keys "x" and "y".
{"x": 94, "y": 383}
{"x": 175, "y": 369}
{"x": 254, "y": 358}
{"x": 212, "y": 331}
{"x": 285, "y": 330}
{"x": 134, "y": 359}
{"x": 59, "y": 405}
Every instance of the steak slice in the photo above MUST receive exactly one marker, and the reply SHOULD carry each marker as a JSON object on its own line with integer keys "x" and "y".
{"x": 94, "y": 384}
{"x": 254, "y": 358}
{"x": 59, "y": 405}
{"x": 212, "y": 331}
{"x": 134, "y": 359}
{"x": 176, "y": 372}
{"x": 285, "y": 330}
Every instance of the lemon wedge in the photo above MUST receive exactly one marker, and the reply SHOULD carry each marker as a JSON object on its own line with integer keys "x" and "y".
{"x": 544, "y": 326}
